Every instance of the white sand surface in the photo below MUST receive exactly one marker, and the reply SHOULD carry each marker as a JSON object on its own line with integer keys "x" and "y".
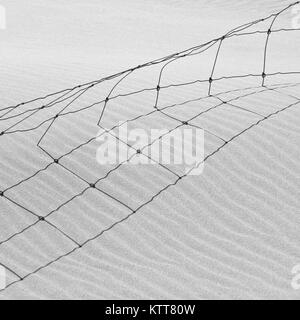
{"x": 231, "y": 232}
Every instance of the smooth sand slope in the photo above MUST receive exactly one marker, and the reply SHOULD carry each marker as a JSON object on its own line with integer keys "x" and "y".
{"x": 76, "y": 229}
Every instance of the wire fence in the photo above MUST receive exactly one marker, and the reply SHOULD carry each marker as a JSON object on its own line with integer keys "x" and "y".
{"x": 27, "y": 117}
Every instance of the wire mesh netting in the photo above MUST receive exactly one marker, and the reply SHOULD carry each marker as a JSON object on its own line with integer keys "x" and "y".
{"x": 57, "y": 135}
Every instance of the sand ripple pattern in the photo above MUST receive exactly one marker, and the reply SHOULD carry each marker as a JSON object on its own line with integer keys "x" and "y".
{"x": 151, "y": 231}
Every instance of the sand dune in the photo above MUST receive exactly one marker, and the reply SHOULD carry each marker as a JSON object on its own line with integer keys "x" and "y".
{"x": 76, "y": 229}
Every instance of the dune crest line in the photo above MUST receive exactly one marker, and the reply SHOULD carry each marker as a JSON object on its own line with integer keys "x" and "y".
{"x": 15, "y": 121}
